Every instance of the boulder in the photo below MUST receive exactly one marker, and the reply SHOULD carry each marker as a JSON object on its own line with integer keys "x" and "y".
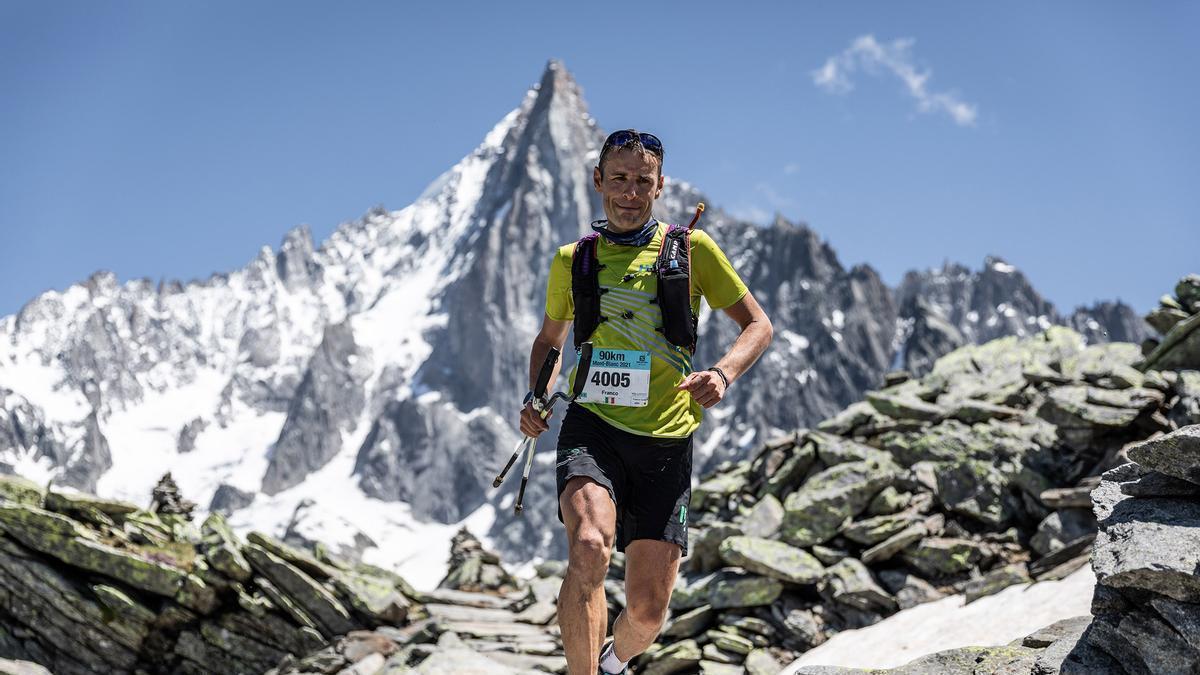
{"x": 64, "y": 539}
{"x": 1175, "y": 454}
{"x": 944, "y": 556}
{"x": 995, "y": 581}
{"x": 973, "y": 488}
{"x": 904, "y": 407}
{"x": 827, "y": 501}
{"x": 1147, "y": 544}
{"x": 773, "y": 559}
{"x": 765, "y": 519}
{"x": 870, "y": 531}
{"x": 21, "y": 490}
{"x": 1061, "y": 528}
{"x": 850, "y": 583}
{"x": 678, "y": 657}
{"x": 313, "y": 598}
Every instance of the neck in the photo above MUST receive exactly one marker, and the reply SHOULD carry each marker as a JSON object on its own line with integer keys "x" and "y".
{"x": 639, "y": 236}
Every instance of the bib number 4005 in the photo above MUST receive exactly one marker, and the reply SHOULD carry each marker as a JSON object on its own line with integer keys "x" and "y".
{"x": 606, "y": 378}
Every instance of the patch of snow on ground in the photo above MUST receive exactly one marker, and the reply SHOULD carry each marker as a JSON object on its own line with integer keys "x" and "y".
{"x": 948, "y": 623}
{"x": 1003, "y": 268}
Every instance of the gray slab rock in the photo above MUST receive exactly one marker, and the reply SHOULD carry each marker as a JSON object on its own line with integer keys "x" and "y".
{"x": 1150, "y": 544}
{"x": 850, "y": 583}
{"x": 997, "y": 580}
{"x": 943, "y": 556}
{"x": 773, "y": 559}
{"x": 826, "y": 502}
{"x": 316, "y": 600}
{"x": 14, "y": 667}
{"x": 678, "y": 657}
{"x": 765, "y": 519}
{"x": 1175, "y": 454}
{"x": 894, "y": 544}
{"x": 760, "y": 662}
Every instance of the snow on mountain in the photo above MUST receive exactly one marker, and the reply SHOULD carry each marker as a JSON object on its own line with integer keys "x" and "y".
{"x": 941, "y": 310}
{"x": 364, "y": 392}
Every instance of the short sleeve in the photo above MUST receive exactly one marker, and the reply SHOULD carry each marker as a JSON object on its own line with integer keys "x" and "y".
{"x": 559, "y": 304}
{"x": 713, "y": 274}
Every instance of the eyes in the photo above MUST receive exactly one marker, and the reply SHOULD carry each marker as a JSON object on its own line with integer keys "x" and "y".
{"x": 641, "y": 180}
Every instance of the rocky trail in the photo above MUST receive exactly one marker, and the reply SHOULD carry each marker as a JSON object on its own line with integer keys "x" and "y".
{"x": 1009, "y": 462}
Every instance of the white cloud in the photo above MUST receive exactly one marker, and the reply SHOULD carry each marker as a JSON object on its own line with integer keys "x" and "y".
{"x": 866, "y": 53}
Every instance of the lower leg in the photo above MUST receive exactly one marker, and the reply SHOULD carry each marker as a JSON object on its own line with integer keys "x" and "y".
{"x": 582, "y": 621}
{"x": 650, "y": 569}
{"x": 590, "y": 519}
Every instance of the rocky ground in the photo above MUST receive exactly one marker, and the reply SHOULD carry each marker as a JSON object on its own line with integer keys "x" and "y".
{"x": 979, "y": 475}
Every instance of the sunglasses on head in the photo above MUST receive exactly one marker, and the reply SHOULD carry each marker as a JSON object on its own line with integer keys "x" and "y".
{"x": 618, "y": 139}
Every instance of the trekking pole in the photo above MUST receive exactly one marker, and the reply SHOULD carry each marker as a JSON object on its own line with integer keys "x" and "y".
{"x": 544, "y": 407}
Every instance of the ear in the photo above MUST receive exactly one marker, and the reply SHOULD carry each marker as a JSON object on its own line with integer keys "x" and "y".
{"x": 659, "y": 189}
{"x": 596, "y": 179}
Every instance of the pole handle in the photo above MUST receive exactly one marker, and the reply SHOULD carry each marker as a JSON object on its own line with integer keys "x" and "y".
{"x": 543, "y": 378}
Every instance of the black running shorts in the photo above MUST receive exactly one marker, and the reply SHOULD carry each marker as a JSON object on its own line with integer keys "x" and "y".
{"x": 649, "y": 479}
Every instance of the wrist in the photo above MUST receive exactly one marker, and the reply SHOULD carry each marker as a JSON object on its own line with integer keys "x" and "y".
{"x": 721, "y": 373}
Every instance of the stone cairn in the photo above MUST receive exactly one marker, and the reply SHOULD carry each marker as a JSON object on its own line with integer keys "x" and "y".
{"x": 1177, "y": 318}
{"x": 92, "y": 586}
{"x": 474, "y": 569}
{"x": 165, "y": 498}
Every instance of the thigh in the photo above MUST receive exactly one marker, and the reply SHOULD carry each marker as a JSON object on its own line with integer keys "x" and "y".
{"x": 586, "y": 507}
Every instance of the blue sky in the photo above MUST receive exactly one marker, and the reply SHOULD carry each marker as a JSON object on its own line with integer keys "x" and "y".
{"x": 172, "y": 140}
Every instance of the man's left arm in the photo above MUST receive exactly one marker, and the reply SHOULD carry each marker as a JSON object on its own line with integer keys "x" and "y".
{"x": 706, "y": 386}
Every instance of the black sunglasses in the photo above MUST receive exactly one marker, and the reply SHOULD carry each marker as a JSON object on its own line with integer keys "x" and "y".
{"x": 618, "y": 139}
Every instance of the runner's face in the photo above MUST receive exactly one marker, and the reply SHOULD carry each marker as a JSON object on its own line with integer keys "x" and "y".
{"x": 628, "y": 188}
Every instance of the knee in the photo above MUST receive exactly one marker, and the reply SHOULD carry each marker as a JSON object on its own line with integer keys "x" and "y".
{"x": 589, "y": 554}
{"x": 648, "y": 614}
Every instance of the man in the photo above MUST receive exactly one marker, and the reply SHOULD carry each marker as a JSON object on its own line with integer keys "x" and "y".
{"x": 624, "y": 464}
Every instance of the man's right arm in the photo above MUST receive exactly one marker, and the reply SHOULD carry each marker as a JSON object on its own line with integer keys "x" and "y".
{"x": 552, "y": 334}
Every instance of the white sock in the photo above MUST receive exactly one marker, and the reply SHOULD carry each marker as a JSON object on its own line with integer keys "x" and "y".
{"x": 609, "y": 662}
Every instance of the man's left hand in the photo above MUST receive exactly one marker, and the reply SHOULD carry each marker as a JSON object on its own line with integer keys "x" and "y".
{"x": 705, "y": 386}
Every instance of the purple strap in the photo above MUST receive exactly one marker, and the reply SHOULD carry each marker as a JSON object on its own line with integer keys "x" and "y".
{"x": 588, "y": 243}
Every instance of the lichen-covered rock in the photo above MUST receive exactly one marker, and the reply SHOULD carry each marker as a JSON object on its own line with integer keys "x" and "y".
{"x": 870, "y": 531}
{"x": 996, "y": 580}
{"x": 765, "y": 519}
{"x": 726, "y": 589}
{"x": 675, "y": 658}
{"x": 943, "y": 556}
{"x": 66, "y": 540}
{"x": 773, "y": 559}
{"x": 850, "y": 582}
{"x": 21, "y": 490}
{"x": 823, "y": 505}
{"x": 316, "y": 601}
{"x": 894, "y": 544}
{"x": 904, "y": 407}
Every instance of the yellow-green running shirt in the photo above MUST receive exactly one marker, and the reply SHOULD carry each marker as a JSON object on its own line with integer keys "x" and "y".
{"x": 669, "y": 413}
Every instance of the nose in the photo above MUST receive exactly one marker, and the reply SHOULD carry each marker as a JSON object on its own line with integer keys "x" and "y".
{"x": 629, "y": 191}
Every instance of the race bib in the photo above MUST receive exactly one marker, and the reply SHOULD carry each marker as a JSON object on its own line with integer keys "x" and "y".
{"x": 618, "y": 377}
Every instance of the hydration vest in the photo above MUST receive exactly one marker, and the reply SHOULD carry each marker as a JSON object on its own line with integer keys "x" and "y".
{"x": 673, "y": 272}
